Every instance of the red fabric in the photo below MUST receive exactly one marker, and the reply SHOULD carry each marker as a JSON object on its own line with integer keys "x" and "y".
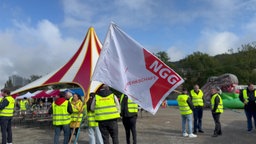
{"x": 42, "y": 94}
{"x": 60, "y": 101}
{"x": 14, "y": 96}
{"x": 54, "y": 93}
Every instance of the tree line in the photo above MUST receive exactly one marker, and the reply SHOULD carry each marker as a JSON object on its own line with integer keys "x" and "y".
{"x": 198, "y": 67}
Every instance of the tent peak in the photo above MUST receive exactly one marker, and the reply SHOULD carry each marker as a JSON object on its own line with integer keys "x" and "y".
{"x": 91, "y": 29}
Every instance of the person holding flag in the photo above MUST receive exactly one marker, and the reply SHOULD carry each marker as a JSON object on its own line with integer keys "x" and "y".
{"x": 107, "y": 111}
{"x": 77, "y": 115}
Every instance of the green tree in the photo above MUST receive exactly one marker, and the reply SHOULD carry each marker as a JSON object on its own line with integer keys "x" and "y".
{"x": 197, "y": 68}
{"x": 34, "y": 77}
{"x": 163, "y": 56}
{"x": 8, "y": 85}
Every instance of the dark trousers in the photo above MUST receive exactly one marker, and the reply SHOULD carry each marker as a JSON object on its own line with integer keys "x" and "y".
{"x": 6, "y": 128}
{"x": 109, "y": 127}
{"x": 130, "y": 126}
{"x": 216, "y": 118}
{"x": 249, "y": 114}
{"x": 198, "y": 115}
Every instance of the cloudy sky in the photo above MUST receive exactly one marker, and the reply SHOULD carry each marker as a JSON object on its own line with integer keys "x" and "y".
{"x": 39, "y": 36}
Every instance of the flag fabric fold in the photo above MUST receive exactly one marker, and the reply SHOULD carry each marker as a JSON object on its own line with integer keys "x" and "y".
{"x": 128, "y": 67}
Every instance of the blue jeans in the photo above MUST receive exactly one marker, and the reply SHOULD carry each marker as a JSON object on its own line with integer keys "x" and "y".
{"x": 95, "y": 135}
{"x": 198, "y": 115}
{"x": 249, "y": 114}
{"x": 186, "y": 118}
{"x": 58, "y": 129}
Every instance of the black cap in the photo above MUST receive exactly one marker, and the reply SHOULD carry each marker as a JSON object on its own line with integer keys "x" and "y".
{"x": 184, "y": 89}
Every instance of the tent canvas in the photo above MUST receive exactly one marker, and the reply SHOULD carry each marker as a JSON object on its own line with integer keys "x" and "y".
{"x": 42, "y": 94}
{"x": 77, "y": 70}
{"x": 53, "y": 93}
{"x": 27, "y": 95}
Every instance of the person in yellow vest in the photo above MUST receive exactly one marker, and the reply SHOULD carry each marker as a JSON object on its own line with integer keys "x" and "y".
{"x": 198, "y": 103}
{"x": 248, "y": 97}
{"x": 186, "y": 106}
{"x": 107, "y": 111}
{"x": 24, "y": 105}
{"x": 94, "y": 133}
{"x": 77, "y": 115}
{"x": 129, "y": 111}
{"x": 217, "y": 109}
{"x": 6, "y": 114}
{"x": 61, "y": 111}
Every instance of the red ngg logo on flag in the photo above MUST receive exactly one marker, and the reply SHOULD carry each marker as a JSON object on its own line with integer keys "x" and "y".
{"x": 167, "y": 78}
{"x": 129, "y": 68}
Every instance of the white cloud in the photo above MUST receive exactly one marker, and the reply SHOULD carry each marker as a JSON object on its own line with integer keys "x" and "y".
{"x": 175, "y": 54}
{"x": 214, "y": 43}
{"x": 38, "y": 50}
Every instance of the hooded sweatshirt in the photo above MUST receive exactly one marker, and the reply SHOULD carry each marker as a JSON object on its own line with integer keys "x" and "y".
{"x": 60, "y": 101}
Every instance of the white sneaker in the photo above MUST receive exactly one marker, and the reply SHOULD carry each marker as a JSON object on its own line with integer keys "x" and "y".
{"x": 185, "y": 134}
{"x": 192, "y": 135}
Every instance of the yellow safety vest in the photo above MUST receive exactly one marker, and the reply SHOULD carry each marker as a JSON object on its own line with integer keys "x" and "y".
{"x": 105, "y": 108}
{"x": 91, "y": 119}
{"x": 132, "y": 107}
{"x": 70, "y": 99}
{"x": 245, "y": 96}
{"x": 74, "y": 115}
{"x": 197, "y": 99}
{"x": 9, "y": 109}
{"x": 183, "y": 105}
{"x": 60, "y": 114}
{"x": 220, "y": 106}
{"x": 23, "y": 104}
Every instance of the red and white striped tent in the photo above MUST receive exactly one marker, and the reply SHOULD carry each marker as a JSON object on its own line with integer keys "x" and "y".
{"x": 78, "y": 69}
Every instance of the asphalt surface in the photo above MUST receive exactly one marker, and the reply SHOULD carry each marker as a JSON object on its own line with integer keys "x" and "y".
{"x": 162, "y": 128}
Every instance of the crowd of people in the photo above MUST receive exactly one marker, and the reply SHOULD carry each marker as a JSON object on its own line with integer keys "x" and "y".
{"x": 192, "y": 104}
{"x": 103, "y": 110}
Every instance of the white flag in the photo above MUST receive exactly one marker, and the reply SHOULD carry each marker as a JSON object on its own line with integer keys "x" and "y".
{"x": 126, "y": 66}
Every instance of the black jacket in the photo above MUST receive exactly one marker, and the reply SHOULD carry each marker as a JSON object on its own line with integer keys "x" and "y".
{"x": 124, "y": 108}
{"x": 216, "y": 103}
{"x": 251, "y": 105}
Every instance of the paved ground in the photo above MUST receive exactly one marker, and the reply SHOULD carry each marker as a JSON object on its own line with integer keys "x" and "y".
{"x": 162, "y": 128}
